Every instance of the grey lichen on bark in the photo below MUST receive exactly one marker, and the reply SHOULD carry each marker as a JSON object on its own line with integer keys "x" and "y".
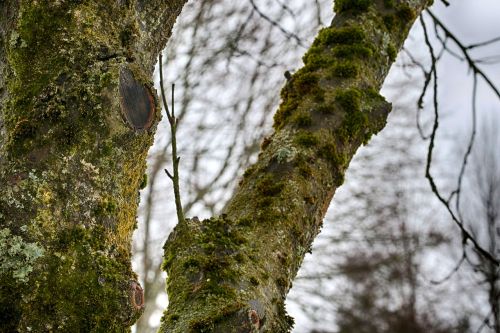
{"x": 77, "y": 116}
{"x": 232, "y": 273}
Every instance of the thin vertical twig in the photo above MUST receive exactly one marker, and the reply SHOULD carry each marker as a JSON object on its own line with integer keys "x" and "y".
{"x": 173, "y": 121}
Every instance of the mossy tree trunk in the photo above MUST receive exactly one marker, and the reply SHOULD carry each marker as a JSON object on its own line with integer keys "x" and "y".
{"x": 232, "y": 273}
{"x": 77, "y": 116}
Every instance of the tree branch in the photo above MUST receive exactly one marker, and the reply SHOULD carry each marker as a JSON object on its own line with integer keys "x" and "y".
{"x": 173, "y": 121}
{"x": 156, "y": 19}
{"x": 232, "y": 273}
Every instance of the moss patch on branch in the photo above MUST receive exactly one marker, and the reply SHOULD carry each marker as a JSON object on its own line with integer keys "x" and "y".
{"x": 356, "y": 6}
{"x": 208, "y": 259}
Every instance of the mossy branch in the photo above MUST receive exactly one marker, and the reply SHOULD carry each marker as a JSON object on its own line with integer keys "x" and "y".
{"x": 173, "y": 121}
{"x": 232, "y": 273}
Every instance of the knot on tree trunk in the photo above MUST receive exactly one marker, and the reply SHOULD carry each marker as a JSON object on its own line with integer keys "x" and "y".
{"x": 137, "y": 102}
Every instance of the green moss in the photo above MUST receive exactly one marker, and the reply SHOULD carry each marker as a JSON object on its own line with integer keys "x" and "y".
{"x": 286, "y": 109}
{"x": 269, "y": 186}
{"x": 144, "y": 181}
{"x": 306, "y": 139}
{"x": 314, "y": 58}
{"x": 349, "y": 99}
{"x": 355, "y": 123}
{"x": 345, "y": 35}
{"x": 356, "y": 6}
{"x": 302, "y": 119}
{"x": 328, "y": 151}
{"x": 240, "y": 258}
{"x": 399, "y": 17}
{"x": 39, "y": 26}
{"x": 389, "y": 21}
{"x": 254, "y": 281}
{"x": 339, "y": 178}
{"x": 373, "y": 94}
{"x": 392, "y": 52}
{"x": 389, "y": 4}
{"x": 304, "y": 167}
{"x": 126, "y": 36}
{"x": 245, "y": 222}
{"x": 304, "y": 82}
{"x": 305, "y": 171}
{"x": 345, "y": 70}
{"x": 264, "y": 202}
{"x": 325, "y": 108}
{"x": 405, "y": 12}
{"x": 35, "y": 64}
{"x": 216, "y": 267}
{"x": 191, "y": 263}
{"x": 269, "y": 213}
{"x": 318, "y": 95}
{"x": 282, "y": 282}
{"x": 91, "y": 286}
{"x": 206, "y": 261}
{"x": 352, "y": 51}
{"x": 24, "y": 130}
{"x": 107, "y": 206}
{"x": 250, "y": 170}
{"x": 355, "y": 120}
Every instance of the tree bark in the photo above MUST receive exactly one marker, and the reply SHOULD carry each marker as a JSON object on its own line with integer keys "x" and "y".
{"x": 231, "y": 273}
{"x": 77, "y": 116}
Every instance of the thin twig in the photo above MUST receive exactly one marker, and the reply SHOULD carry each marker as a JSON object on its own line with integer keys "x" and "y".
{"x": 276, "y": 24}
{"x": 488, "y": 42}
{"x": 173, "y": 121}
{"x": 464, "y": 49}
{"x": 458, "y": 189}
{"x": 484, "y": 323}
{"x": 466, "y": 236}
{"x": 452, "y": 272}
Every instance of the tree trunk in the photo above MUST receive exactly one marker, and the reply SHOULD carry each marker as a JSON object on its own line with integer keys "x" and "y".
{"x": 232, "y": 273}
{"x": 78, "y": 114}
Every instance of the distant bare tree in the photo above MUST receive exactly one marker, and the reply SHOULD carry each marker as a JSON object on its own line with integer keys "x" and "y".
{"x": 480, "y": 204}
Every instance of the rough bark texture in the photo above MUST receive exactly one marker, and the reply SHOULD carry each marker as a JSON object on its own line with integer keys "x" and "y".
{"x": 77, "y": 116}
{"x": 232, "y": 273}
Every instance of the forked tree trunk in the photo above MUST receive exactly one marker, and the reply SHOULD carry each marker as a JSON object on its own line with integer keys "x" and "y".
{"x": 77, "y": 117}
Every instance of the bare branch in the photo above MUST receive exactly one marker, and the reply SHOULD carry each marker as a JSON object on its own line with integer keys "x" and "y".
{"x": 175, "y": 159}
